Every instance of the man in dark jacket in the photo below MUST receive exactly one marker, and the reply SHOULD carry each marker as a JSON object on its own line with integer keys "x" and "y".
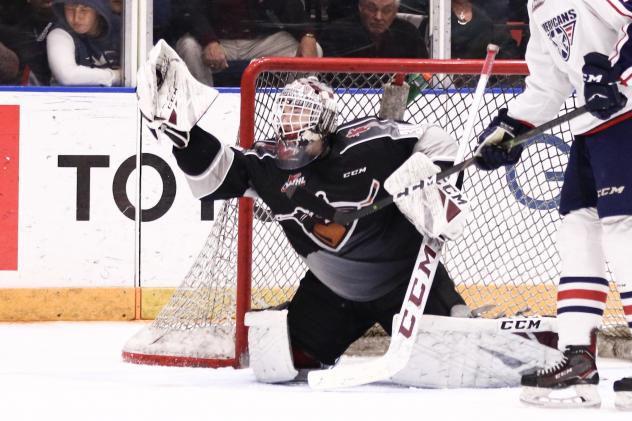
{"x": 375, "y": 31}
{"x": 222, "y": 31}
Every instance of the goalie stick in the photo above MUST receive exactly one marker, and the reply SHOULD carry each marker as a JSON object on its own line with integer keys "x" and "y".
{"x": 318, "y": 206}
{"x": 403, "y": 338}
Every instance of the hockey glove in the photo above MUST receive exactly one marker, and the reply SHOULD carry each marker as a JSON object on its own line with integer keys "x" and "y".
{"x": 433, "y": 210}
{"x": 601, "y": 92}
{"x": 492, "y": 154}
{"x": 169, "y": 97}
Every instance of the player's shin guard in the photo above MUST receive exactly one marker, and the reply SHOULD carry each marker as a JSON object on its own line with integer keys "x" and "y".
{"x": 582, "y": 293}
{"x": 617, "y": 238}
{"x": 583, "y": 287}
{"x": 618, "y": 246}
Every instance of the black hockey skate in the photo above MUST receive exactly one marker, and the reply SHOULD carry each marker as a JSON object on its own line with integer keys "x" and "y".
{"x": 570, "y": 383}
{"x": 623, "y": 394}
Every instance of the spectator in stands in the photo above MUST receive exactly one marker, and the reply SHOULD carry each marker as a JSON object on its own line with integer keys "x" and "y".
{"x": 84, "y": 47}
{"x": 340, "y": 9}
{"x": 224, "y": 31}
{"x": 117, "y": 6}
{"x": 472, "y": 30}
{"x": 26, "y": 36}
{"x": 10, "y": 11}
{"x": 9, "y": 66}
{"x": 373, "y": 31}
{"x": 502, "y": 11}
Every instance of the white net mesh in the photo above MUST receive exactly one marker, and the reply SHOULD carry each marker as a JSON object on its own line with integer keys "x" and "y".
{"x": 506, "y": 257}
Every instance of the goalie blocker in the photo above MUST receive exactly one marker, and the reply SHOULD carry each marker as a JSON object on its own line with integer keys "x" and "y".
{"x": 437, "y": 210}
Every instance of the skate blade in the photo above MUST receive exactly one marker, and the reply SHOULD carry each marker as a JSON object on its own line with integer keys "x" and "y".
{"x": 579, "y": 396}
{"x": 623, "y": 401}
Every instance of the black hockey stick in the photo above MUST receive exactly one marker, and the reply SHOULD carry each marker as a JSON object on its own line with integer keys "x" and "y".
{"x": 308, "y": 200}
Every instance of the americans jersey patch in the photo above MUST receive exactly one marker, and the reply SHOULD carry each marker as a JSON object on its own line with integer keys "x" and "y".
{"x": 561, "y": 31}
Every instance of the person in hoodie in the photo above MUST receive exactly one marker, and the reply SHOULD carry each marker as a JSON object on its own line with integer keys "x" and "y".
{"x": 84, "y": 46}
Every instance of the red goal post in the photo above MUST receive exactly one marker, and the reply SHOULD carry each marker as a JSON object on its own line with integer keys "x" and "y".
{"x": 507, "y": 256}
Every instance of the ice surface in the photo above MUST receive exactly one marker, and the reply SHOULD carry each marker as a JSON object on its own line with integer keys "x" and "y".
{"x": 74, "y": 371}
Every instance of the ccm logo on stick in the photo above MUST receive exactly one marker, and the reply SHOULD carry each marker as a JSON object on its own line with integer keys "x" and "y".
{"x": 416, "y": 295}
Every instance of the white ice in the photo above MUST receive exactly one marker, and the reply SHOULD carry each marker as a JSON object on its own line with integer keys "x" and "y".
{"x": 73, "y": 371}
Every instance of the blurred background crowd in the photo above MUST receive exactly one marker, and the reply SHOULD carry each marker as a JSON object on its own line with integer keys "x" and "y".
{"x": 79, "y": 42}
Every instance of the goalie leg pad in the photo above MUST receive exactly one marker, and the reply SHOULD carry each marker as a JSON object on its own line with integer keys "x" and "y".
{"x": 472, "y": 357}
{"x": 269, "y": 345}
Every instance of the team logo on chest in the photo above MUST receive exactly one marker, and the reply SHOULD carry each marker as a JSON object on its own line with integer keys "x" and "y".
{"x": 561, "y": 31}
{"x": 293, "y": 180}
{"x": 327, "y": 234}
{"x": 357, "y": 131}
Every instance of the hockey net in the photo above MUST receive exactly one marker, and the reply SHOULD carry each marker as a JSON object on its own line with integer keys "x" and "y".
{"x": 507, "y": 256}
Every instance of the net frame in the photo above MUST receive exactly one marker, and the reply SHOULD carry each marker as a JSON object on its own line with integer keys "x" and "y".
{"x": 247, "y": 208}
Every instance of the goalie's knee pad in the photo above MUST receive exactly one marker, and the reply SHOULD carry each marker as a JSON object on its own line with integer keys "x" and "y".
{"x": 269, "y": 346}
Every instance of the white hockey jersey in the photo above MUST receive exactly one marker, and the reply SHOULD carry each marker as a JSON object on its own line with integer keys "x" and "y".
{"x": 562, "y": 32}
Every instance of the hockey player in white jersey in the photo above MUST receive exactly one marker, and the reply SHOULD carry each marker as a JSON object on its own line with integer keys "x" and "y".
{"x": 582, "y": 46}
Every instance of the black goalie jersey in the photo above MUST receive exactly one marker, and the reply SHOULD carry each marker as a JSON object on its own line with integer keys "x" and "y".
{"x": 361, "y": 261}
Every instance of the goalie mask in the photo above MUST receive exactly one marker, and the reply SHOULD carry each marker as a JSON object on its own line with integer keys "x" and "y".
{"x": 305, "y": 113}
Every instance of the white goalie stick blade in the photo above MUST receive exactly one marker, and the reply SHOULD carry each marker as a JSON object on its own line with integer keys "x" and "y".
{"x": 403, "y": 337}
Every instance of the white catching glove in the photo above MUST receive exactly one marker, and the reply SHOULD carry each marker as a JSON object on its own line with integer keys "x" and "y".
{"x": 439, "y": 209}
{"x": 169, "y": 97}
